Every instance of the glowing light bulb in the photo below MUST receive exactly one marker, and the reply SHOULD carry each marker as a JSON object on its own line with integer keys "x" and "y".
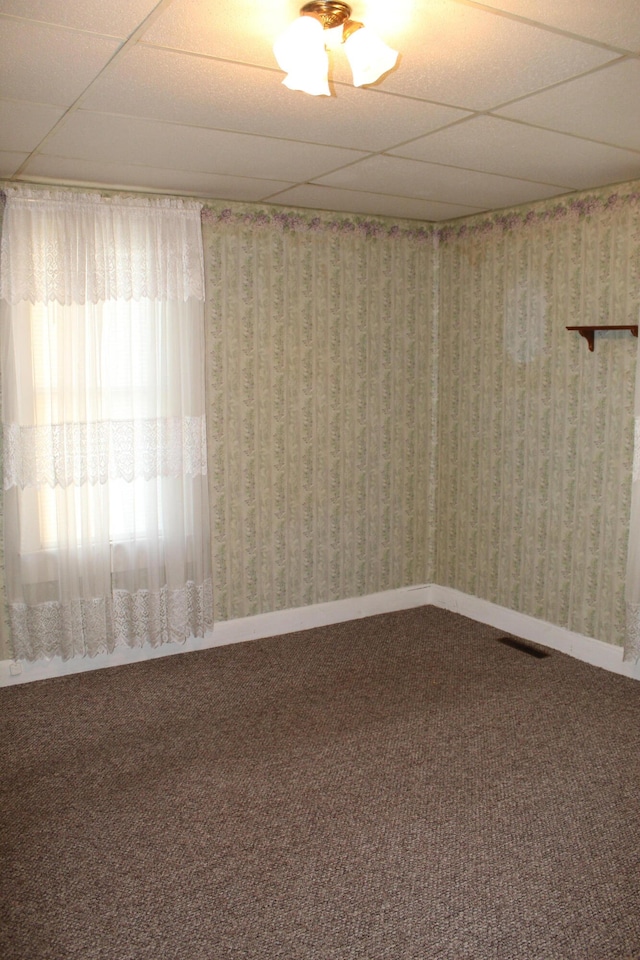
{"x": 301, "y": 53}
{"x": 368, "y": 56}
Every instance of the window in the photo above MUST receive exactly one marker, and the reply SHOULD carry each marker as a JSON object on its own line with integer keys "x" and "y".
{"x": 105, "y": 471}
{"x": 104, "y": 371}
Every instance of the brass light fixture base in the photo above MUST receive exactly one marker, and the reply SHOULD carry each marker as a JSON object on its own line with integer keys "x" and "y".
{"x": 302, "y": 50}
{"x": 330, "y": 13}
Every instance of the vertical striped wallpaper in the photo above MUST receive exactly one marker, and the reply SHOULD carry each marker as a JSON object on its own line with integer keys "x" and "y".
{"x": 385, "y": 411}
{"x": 6, "y": 650}
{"x": 322, "y": 374}
{"x": 536, "y": 432}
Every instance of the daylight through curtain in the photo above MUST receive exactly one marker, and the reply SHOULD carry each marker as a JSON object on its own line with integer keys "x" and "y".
{"x": 106, "y": 507}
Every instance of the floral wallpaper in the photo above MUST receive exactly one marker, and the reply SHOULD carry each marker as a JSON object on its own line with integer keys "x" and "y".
{"x": 393, "y": 404}
{"x": 386, "y": 412}
{"x": 536, "y": 432}
{"x": 6, "y": 651}
{"x": 322, "y": 372}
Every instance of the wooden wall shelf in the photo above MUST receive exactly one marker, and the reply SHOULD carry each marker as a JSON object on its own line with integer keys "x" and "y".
{"x": 589, "y": 331}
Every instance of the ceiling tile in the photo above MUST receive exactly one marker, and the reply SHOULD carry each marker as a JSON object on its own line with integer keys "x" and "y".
{"x": 23, "y": 125}
{"x": 48, "y": 64}
{"x": 151, "y": 178}
{"x": 612, "y": 21}
{"x": 470, "y": 58}
{"x": 240, "y": 30}
{"x": 514, "y": 150}
{"x": 601, "y": 106}
{"x": 118, "y": 18}
{"x": 432, "y": 181}
{"x": 94, "y": 136}
{"x": 354, "y": 201}
{"x": 10, "y": 162}
{"x": 166, "y": 85}
{"x": 197, "y": 106}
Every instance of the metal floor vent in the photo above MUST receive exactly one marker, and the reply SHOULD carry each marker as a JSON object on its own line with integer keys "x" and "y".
{"x": 523, "y": 647}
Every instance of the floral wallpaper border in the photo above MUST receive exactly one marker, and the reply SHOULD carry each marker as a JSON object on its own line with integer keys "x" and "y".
{"x": 570, "y": 206}
{"x": 297, "y": 222}
{"x": 573, "y": 206}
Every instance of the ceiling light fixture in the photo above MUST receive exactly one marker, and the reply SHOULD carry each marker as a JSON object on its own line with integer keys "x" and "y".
{"x": 301, "y": 51}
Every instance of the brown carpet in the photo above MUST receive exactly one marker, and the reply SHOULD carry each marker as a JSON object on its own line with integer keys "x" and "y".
{"x": 398, "y": 787}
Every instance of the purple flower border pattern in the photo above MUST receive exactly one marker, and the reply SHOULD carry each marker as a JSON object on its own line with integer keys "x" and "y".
{"x": 578, "y": 207}
{"x": 288, "y": 222}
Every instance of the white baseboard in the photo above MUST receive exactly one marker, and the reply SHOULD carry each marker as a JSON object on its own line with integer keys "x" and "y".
{"x": 223, "y": 633}
{"x": 592, "y": 651}
{"x": 303, "y": 618}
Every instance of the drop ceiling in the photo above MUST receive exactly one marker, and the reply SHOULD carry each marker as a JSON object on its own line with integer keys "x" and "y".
{"x": 490, "y": 105}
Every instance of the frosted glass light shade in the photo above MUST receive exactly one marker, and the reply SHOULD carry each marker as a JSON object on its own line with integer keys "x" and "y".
{"x": 368, "y": 56}
{"x": 301, "y": 53}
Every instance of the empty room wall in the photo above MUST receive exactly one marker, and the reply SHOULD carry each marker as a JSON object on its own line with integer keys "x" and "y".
{"x": 386, "y": 410}
{"x": 322, "y": 375}
{"x": 536, "y": 432}
{"x": 332, "y": 351}
{"x": 5, "y": 637}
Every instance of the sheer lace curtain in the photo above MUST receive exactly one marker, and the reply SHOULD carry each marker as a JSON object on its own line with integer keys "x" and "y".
{"x": 107, "y": 537}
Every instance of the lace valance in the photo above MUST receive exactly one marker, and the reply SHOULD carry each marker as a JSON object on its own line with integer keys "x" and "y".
{"x": 84, "y": 248}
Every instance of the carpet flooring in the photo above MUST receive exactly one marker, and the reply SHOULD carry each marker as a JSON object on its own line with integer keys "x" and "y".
{"x": 402, "y": 787}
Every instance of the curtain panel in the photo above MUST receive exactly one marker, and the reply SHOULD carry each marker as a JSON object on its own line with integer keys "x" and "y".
{"x": 105, "y": 463}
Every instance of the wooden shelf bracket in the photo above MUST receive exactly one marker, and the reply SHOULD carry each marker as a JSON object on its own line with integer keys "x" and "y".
{"x": 589, "y": 331}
